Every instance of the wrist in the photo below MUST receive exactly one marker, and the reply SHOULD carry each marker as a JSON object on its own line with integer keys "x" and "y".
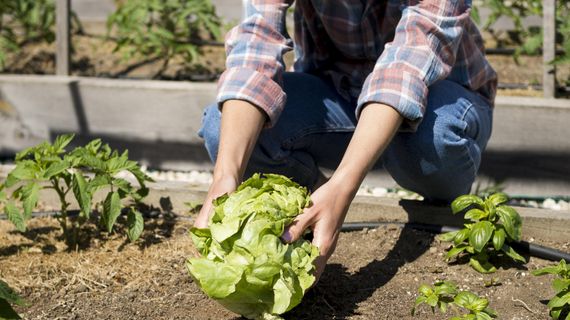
{"x": 345, "y": 183}
{"x": 226, "y": 176}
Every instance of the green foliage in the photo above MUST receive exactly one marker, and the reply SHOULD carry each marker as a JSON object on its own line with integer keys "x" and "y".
{"x": 439, "y": 296}
{"x": 477, "y": 307}
{"x": 444, "y": 294}
{"x": 559, "y": 305}
{"x": 529, "y": 40}
{"x": 491, "y": 226}
{"x": 9, "y": 297}
{"x": 24, "y": 20}
{"x": 244, "y": 265}
{"x": 163, "y": 29}
{"x": 82, "y": 172}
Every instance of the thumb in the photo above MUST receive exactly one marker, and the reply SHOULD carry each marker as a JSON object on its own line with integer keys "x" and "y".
{"x": 296, "y": 229}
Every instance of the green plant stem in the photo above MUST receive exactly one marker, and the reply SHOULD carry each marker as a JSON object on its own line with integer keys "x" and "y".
{"x": 63, "y": 214}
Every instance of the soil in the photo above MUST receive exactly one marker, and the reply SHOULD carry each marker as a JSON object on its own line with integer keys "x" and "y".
{"x": 94, "y": 57}
{"x": 374, "y": 274}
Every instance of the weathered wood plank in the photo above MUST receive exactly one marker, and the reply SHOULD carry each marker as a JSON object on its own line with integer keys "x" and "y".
{"x": 63, "y": 38}
{"x": 549, "y": 48}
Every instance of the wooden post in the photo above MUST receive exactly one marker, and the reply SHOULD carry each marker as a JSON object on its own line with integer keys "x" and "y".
{"x": 63, "y": 47}
{"x": 549, "y": 48}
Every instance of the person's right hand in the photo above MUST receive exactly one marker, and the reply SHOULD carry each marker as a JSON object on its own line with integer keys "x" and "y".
{"x": 217, "y": 188}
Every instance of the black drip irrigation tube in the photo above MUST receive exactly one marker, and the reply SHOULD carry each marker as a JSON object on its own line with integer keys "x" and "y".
{"x": 532, "y": 249}
{"x": 522, "y": 246}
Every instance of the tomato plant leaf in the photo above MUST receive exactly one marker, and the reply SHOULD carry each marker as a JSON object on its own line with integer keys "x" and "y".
{"x": 135, "y": 223}
{"x": 7, "y": 312}
{"x": 25, "y": 170}
{"x": 56, "y": 168}
{"x": 61, "y": 142}
{"x": 15, "y": 216}
{"x": 82, "y": 196}
{"x": 111, "y": 210}
{"x": 30, "y": 195}
{"x": 98, "y": 182}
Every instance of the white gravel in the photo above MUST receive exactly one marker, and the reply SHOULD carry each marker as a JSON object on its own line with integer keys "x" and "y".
{"x": 205, "y": 178}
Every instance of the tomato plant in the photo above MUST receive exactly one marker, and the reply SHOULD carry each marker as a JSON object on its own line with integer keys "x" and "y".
{"x": 81, "y": 172}
{"x": 492, "y": 225}
{"x": 163, "y": 29}
{"x": 24, "y": 19}
{"x": 528, "y": 39}
{"x": 9, "y": 297}
{"x": 559, "y": 305}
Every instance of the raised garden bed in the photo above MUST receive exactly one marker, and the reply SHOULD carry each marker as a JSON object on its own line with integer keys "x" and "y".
{"x": 374, "y": 274}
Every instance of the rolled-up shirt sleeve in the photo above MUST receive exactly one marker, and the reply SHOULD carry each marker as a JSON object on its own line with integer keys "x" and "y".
{"x": 254, "y": 63}
{"x": 422, "y": 52}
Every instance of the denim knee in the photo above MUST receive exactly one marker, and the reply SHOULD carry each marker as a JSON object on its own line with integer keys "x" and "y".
{"x": 440, "y": 161}
{"x": 210, "y": 130}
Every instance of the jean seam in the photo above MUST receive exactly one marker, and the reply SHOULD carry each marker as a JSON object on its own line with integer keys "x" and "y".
{"x": 467, "y": 147}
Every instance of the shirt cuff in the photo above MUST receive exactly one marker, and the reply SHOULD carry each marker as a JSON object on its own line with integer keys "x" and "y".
{"x": 401, "y": 90}
{"x": 254, "y": 87}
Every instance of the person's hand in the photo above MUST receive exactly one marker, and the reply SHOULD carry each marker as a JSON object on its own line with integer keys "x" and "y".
{"x": 217, "y": 188}
{"x": 325, "y": 217}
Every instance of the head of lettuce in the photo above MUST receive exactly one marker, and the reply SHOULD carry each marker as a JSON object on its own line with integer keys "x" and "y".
{"x": 244, "y": 265}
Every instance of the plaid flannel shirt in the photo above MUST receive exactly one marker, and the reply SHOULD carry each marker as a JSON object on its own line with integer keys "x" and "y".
{"x": 388, "y": 52}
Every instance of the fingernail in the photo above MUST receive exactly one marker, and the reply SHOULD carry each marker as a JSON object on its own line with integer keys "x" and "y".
{"x": 286, "y": 236}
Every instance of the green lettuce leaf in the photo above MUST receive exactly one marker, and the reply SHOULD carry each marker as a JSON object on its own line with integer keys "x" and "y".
{"x": 244, "y": 264}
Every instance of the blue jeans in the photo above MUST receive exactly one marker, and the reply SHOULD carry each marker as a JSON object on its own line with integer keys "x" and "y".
{"x": 439, "y": 161}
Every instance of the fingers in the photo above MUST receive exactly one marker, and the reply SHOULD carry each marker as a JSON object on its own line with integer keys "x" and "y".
{"x": 204, "y": 215}
{"x": 296, "y": 229}
{"x": 325, "y": 237}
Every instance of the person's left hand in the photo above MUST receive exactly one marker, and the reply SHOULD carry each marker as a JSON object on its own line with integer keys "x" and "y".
{"x": 325, "y": 216}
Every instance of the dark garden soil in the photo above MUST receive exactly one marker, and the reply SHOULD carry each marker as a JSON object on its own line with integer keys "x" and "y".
{"x": 374, "y": 274}
{"x": 93, "y": 56}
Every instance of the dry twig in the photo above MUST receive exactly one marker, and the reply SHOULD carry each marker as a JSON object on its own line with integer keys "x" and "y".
{"x": 524, "y": 305}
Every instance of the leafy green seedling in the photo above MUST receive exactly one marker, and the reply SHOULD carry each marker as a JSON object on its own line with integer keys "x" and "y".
{"x": 444, "y": 295}
{"x": 439, "y": 296}
{"x": 477, "y": 307}
{"x": 559, "y": 305}
{"x": 81, "y": 172}
{"x": 9, "y": 297}
{"x": 491, "y": 226}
